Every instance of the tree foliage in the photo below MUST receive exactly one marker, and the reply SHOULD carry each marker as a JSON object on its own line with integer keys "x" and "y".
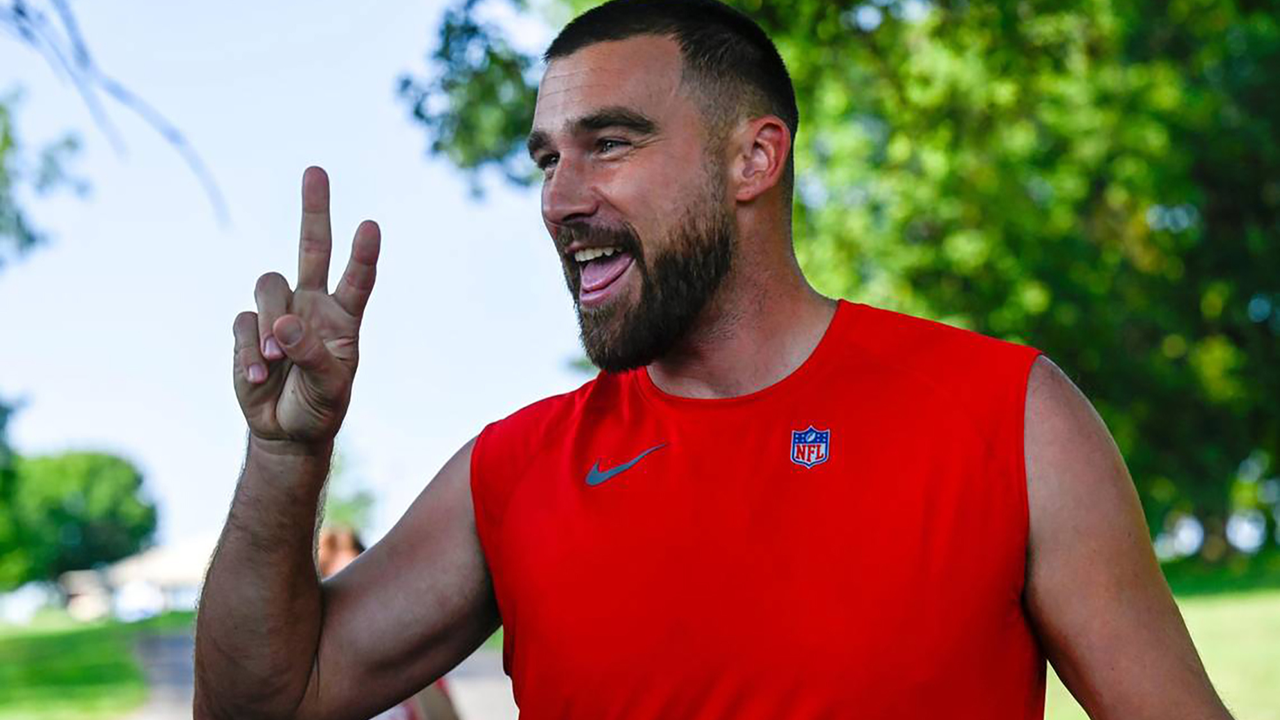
{"x": 10, "y": 538}
{"x": 487, "y": 76}
{"x": 72, "y": 511}
{"x": 1098, "y": 178}
{"x": 348, "y": 501}
{"x": 22, "y": 172}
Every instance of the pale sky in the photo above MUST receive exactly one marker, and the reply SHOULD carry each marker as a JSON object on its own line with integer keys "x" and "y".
{"x": 117, "y": 333}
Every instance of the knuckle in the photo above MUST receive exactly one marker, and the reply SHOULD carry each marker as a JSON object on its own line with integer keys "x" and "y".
{"x": 314, "y": 242}
{"x": 359, "y": 281}
{"x": 314, "y": 250}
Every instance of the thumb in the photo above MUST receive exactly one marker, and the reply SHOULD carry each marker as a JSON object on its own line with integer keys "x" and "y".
{"x": 301, "y": 345}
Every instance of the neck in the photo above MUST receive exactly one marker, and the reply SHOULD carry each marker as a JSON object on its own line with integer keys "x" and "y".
{"x": 758, "y": 328}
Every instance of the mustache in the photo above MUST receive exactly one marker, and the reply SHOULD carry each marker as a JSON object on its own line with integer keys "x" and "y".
{"x": 624, "y": 237}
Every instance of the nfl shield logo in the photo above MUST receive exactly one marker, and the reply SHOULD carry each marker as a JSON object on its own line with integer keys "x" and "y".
{"x": 810, "y": 447}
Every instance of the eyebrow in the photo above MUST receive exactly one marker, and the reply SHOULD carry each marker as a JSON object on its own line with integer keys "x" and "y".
{"x": 602, "y": 119}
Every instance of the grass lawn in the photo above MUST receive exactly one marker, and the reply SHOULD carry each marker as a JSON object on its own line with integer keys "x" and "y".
{"x": 58, "y": 669}
{"x": 494, "y": 642}
{"x": 1238, "y": 636}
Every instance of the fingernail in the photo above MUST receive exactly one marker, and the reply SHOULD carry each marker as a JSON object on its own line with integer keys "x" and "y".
{"x": 289, "y": 331}
{"x": 272, "y": 349}
{"x": 257, "y": 373}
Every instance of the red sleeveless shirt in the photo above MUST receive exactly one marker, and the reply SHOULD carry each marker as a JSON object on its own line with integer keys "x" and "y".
{"x": 848, "y": 542}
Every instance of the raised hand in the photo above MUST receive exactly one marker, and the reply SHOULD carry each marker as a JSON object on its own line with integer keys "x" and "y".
{"x": 296, "y": 357}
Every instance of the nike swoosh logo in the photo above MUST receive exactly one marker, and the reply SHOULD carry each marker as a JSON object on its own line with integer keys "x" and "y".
{"x": 595, "y": 475}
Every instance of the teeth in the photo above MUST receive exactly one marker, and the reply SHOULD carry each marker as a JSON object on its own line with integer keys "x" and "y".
{"x": 589, "y": 254}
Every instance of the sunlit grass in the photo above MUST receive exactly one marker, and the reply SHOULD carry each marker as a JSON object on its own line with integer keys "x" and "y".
{"x": 494, "y": 642}
{"x": 81, "y": 671}
{"x": 1238, "y": 636}
{"x": 57, "y": 669}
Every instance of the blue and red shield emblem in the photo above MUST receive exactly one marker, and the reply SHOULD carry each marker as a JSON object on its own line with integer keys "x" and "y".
{"x": 810, "y": 447}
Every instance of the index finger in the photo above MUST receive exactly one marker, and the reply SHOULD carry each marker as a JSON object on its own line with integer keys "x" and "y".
{"x": 317, "y": 239}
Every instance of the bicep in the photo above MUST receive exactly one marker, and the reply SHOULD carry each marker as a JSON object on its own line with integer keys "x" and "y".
{"x": 407, "y": 610}
{"x": 1102, "y": 610}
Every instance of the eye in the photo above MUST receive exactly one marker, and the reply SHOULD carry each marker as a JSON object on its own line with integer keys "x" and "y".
{"x": 548, "y": 161}
{"x": 608, "y": 145}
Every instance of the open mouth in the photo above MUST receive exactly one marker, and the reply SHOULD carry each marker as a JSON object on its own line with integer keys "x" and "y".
{"x": 599, "y": 272}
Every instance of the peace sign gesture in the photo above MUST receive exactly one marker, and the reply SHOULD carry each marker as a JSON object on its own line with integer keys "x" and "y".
{"x": 295, "y": 358}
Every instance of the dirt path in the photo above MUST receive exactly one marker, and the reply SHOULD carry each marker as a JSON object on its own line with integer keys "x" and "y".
{"x": 166, "y": 661}
{"x": 480, "y": 690}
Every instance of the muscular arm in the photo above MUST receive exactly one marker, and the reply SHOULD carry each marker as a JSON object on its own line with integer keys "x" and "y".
{"x": 1102, "y": 609}
{"x": 272, "y": 641}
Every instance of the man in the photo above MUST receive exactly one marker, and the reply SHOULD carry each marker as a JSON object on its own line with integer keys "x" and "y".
{"x": 769, "y": 504}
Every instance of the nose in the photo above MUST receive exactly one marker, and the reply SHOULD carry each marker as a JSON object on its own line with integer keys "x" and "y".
{"x": 568, "y": 195}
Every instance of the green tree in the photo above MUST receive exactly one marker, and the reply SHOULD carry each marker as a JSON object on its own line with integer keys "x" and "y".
{"x": 1096, "y": 177}
{"x": 74, "y": 511}
{"x": 348, "y": 502}
{"x": 12, "y": 561}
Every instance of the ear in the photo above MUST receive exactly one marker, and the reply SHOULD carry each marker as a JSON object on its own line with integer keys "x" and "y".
{"x": 760, "y": 149}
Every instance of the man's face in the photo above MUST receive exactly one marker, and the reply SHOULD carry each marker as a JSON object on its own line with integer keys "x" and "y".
{"x": 632, "y": 196}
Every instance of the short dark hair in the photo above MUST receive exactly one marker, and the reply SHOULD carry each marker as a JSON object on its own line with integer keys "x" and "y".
{"x": 727, "y": 56}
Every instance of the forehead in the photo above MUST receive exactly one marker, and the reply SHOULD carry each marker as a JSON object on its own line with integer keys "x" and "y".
{"x": 640, "y": 72}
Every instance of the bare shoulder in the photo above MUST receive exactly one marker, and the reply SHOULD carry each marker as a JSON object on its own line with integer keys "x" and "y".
{"x": 1058, "y": 412}
{"x": 1079, "y": 492}
{"x": 1082, "y": 503}
{"x": 1074, "y": 467}
{"x": 1094, "y": 591}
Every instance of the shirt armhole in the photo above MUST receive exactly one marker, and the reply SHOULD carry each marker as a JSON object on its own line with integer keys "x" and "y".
{"x": 1021, "y": 493}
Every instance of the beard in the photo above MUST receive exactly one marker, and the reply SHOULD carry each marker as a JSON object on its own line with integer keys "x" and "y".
{"x": 675, "y": 286}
